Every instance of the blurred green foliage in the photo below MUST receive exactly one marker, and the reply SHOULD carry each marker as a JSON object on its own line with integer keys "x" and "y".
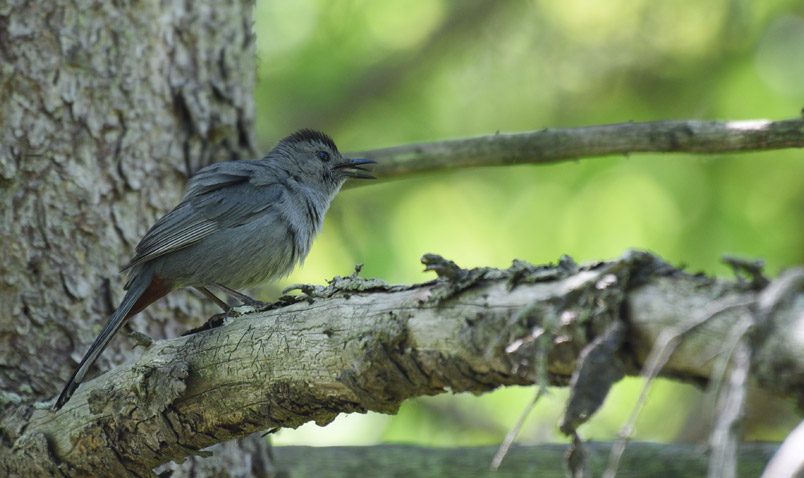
{"x": 376, "y": 74}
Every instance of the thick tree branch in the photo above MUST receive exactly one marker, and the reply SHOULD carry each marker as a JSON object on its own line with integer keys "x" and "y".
{"x": 554, "y": 145}
{"x": 360, "y": 345}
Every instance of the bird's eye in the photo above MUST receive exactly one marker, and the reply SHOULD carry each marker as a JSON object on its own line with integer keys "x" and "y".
{"x": 323, "y": 155}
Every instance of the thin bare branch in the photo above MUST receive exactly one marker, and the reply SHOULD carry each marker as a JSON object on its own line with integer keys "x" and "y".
{"x": 541, "y": 380}
{"x": 555, "y": 145}
{"x": 641, "y": 460}
{"x": 731, "y": 401}
{"x": 663, "y": 349}
{"x": 788, "y": 462}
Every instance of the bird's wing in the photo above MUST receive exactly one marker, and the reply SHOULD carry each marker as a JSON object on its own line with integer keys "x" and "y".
{"x": 219, "y": 196}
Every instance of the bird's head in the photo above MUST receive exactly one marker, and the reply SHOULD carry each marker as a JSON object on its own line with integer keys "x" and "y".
{"x": 311, "y": 157}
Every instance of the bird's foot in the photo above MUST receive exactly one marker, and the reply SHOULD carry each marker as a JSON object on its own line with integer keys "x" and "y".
{"x": 243, "y": 298}
{"x": 141, "y": 339}
{"x": 245, "y": 308}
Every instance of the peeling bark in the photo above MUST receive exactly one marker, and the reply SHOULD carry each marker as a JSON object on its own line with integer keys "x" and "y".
{"x": 359, "y": 344}
{"x": 107, "y": 108}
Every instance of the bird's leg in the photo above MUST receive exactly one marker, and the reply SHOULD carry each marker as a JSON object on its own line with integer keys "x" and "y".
{"x": 243, "y": 298}
{"x": 209, "y": 295}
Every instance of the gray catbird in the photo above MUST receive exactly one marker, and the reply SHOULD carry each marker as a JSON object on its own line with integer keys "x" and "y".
{"x": 239, "y": 223}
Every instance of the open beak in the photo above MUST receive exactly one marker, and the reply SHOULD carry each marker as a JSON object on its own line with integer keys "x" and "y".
{"x": 353, "y": 168}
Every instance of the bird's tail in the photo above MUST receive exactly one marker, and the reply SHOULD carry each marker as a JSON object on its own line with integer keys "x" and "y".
{"x": 143, "y": 289}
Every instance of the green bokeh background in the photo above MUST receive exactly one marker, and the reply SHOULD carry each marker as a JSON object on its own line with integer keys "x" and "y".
{"x": 376, "y": 74}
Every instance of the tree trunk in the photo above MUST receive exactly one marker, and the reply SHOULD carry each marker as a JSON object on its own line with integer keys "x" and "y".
{"x": 106, "y": 108}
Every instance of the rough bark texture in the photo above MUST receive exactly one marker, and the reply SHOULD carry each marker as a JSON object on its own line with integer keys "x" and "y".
{"x": 362, "y": 345}
{"x": 547, "y": 461}
{"x": 105, "y": 108}
{"x": 554, "y": 145}
{"x": 108, "y": 106}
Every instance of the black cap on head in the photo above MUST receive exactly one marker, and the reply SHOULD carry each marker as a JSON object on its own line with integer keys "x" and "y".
{"x": 310, "y": 135}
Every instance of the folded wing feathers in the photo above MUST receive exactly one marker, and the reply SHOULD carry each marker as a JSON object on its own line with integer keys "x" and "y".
{"x": 201, "y": 213}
